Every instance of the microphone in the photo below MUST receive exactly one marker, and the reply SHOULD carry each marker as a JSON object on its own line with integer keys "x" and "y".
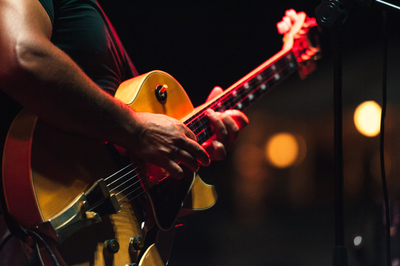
{"x": 335, "y": 12}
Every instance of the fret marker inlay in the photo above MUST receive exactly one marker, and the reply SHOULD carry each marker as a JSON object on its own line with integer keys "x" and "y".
{"x": 263, "y": 87}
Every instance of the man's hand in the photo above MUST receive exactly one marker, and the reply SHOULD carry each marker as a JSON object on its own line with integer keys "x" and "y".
{"x": 165, "y": 142}
{"x": 226, "y": 126}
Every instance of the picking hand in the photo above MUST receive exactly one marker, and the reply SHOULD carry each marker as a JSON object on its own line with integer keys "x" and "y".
{"x": 165, "y": 142}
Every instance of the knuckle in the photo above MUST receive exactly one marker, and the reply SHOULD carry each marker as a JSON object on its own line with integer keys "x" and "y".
{"x": 174, "y": 151}
{"x": 225, "y": 133}
{"x": 179, "y": 140}
{"x": 235, "y": 128}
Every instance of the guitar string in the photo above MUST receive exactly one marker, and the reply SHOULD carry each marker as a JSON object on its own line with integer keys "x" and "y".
{"x": 226, "y": 98}
{"x": 120, "y": 179}
{"x": 138, "y": 173}
{"x": 105, "y": 179}
{"x": 123, "y": 183}
{"x": 126, "y": 195}
{"x": 135, "y": 176}
{"x": 127, "y": 188}
{"x": 281, "y": 68}
{"x": 123, "y": 176}
{"x": 132, "y": 198}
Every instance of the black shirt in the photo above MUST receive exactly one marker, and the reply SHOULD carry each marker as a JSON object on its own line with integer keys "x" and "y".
{"x": 82, "y": 31}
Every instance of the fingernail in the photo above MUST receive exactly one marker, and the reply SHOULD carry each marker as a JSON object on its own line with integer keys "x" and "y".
{"x": 210, "y": 112}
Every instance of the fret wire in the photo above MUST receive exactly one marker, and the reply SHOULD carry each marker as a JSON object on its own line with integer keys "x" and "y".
{"x": 227, "y": 101}
{"x": 199, "y": 123}
{"x": 255, "y": 81}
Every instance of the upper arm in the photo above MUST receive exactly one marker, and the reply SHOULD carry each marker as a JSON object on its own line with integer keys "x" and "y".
{"x": 22, "y": 22}
{"x": 24, "y": 16}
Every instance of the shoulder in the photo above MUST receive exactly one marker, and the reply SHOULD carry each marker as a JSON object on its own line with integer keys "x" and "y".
{"x": 49, "y": 7}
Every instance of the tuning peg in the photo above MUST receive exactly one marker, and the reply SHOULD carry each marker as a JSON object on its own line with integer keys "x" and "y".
{"x": 287, "y": 21}
{"x": 282, "y": 27}
{"x": 311, "y": 22}
{"x": 292, "y": 14}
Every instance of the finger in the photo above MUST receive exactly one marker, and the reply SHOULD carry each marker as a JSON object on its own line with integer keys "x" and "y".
{"x": 217, "y": 125}
{"x": 190, "y": 145}
{"x": 214, "y": 93}
{"x": 215, "y": 149}
{"x": 173, "y": 168}
{"x": 198, "y": 152}
{"x": 189, "y": 133}
{"x": 185, "y": 158}
{"x": 239, "y": 117}
{"x": 232, "y": 128}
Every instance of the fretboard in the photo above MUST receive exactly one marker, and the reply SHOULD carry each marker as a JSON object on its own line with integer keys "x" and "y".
{"x": 243, "y": 94}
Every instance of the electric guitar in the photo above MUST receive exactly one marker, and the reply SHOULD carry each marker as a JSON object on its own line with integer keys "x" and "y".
{"x": 100, "y": 208}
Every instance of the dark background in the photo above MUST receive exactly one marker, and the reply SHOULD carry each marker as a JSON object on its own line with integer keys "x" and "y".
{"x": 291, "y": 221}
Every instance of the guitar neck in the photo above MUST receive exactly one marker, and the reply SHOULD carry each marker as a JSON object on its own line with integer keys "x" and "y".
{"x": 244, "y": 92}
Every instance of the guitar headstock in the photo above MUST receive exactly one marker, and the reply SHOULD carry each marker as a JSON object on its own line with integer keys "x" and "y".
{"x": 301, "y": 36}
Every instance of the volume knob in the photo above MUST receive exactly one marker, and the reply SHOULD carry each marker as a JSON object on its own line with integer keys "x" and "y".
{"x": 161, "y": 93}
{"x": 136, "y": 243}
{"x": 111, "y": 246}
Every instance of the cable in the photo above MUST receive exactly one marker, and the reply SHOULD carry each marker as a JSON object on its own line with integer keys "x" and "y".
{"x": 5, "y": 241}
{"x": 51, "y": 253}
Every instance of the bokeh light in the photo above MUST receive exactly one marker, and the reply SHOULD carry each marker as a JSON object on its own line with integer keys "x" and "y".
{"x": 282, "y": 150}
{"x": 357, "y": 241}
{"x": 367, "y": 118}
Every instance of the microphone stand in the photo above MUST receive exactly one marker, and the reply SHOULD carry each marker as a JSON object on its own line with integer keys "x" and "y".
{"x": 339, "y": 252}
{"x": 383, "y": 4}
{"x": 333, "y": 14}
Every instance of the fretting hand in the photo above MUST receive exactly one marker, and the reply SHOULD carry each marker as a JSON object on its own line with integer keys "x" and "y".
{"x": 226, "y": 126}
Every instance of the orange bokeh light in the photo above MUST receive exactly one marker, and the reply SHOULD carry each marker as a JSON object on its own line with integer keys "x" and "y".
{"x": 282, "y": 150}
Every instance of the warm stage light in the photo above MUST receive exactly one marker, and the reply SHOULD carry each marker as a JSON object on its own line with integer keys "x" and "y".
{"x": 282, "y": 150}
{"x": 367, "y": 118}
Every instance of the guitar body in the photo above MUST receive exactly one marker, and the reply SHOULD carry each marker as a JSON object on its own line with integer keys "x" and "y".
{"x": 84, "y": 197}
{"x": 46, "y": 170}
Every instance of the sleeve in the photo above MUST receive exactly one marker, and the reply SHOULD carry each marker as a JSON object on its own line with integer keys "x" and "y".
{"x": 49, "y": 7}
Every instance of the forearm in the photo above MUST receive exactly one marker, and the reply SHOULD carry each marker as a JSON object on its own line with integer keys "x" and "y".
{"x": 45, "y": 80}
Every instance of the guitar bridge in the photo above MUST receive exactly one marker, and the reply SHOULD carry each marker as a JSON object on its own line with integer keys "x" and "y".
{"x": 84, "y": 211}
